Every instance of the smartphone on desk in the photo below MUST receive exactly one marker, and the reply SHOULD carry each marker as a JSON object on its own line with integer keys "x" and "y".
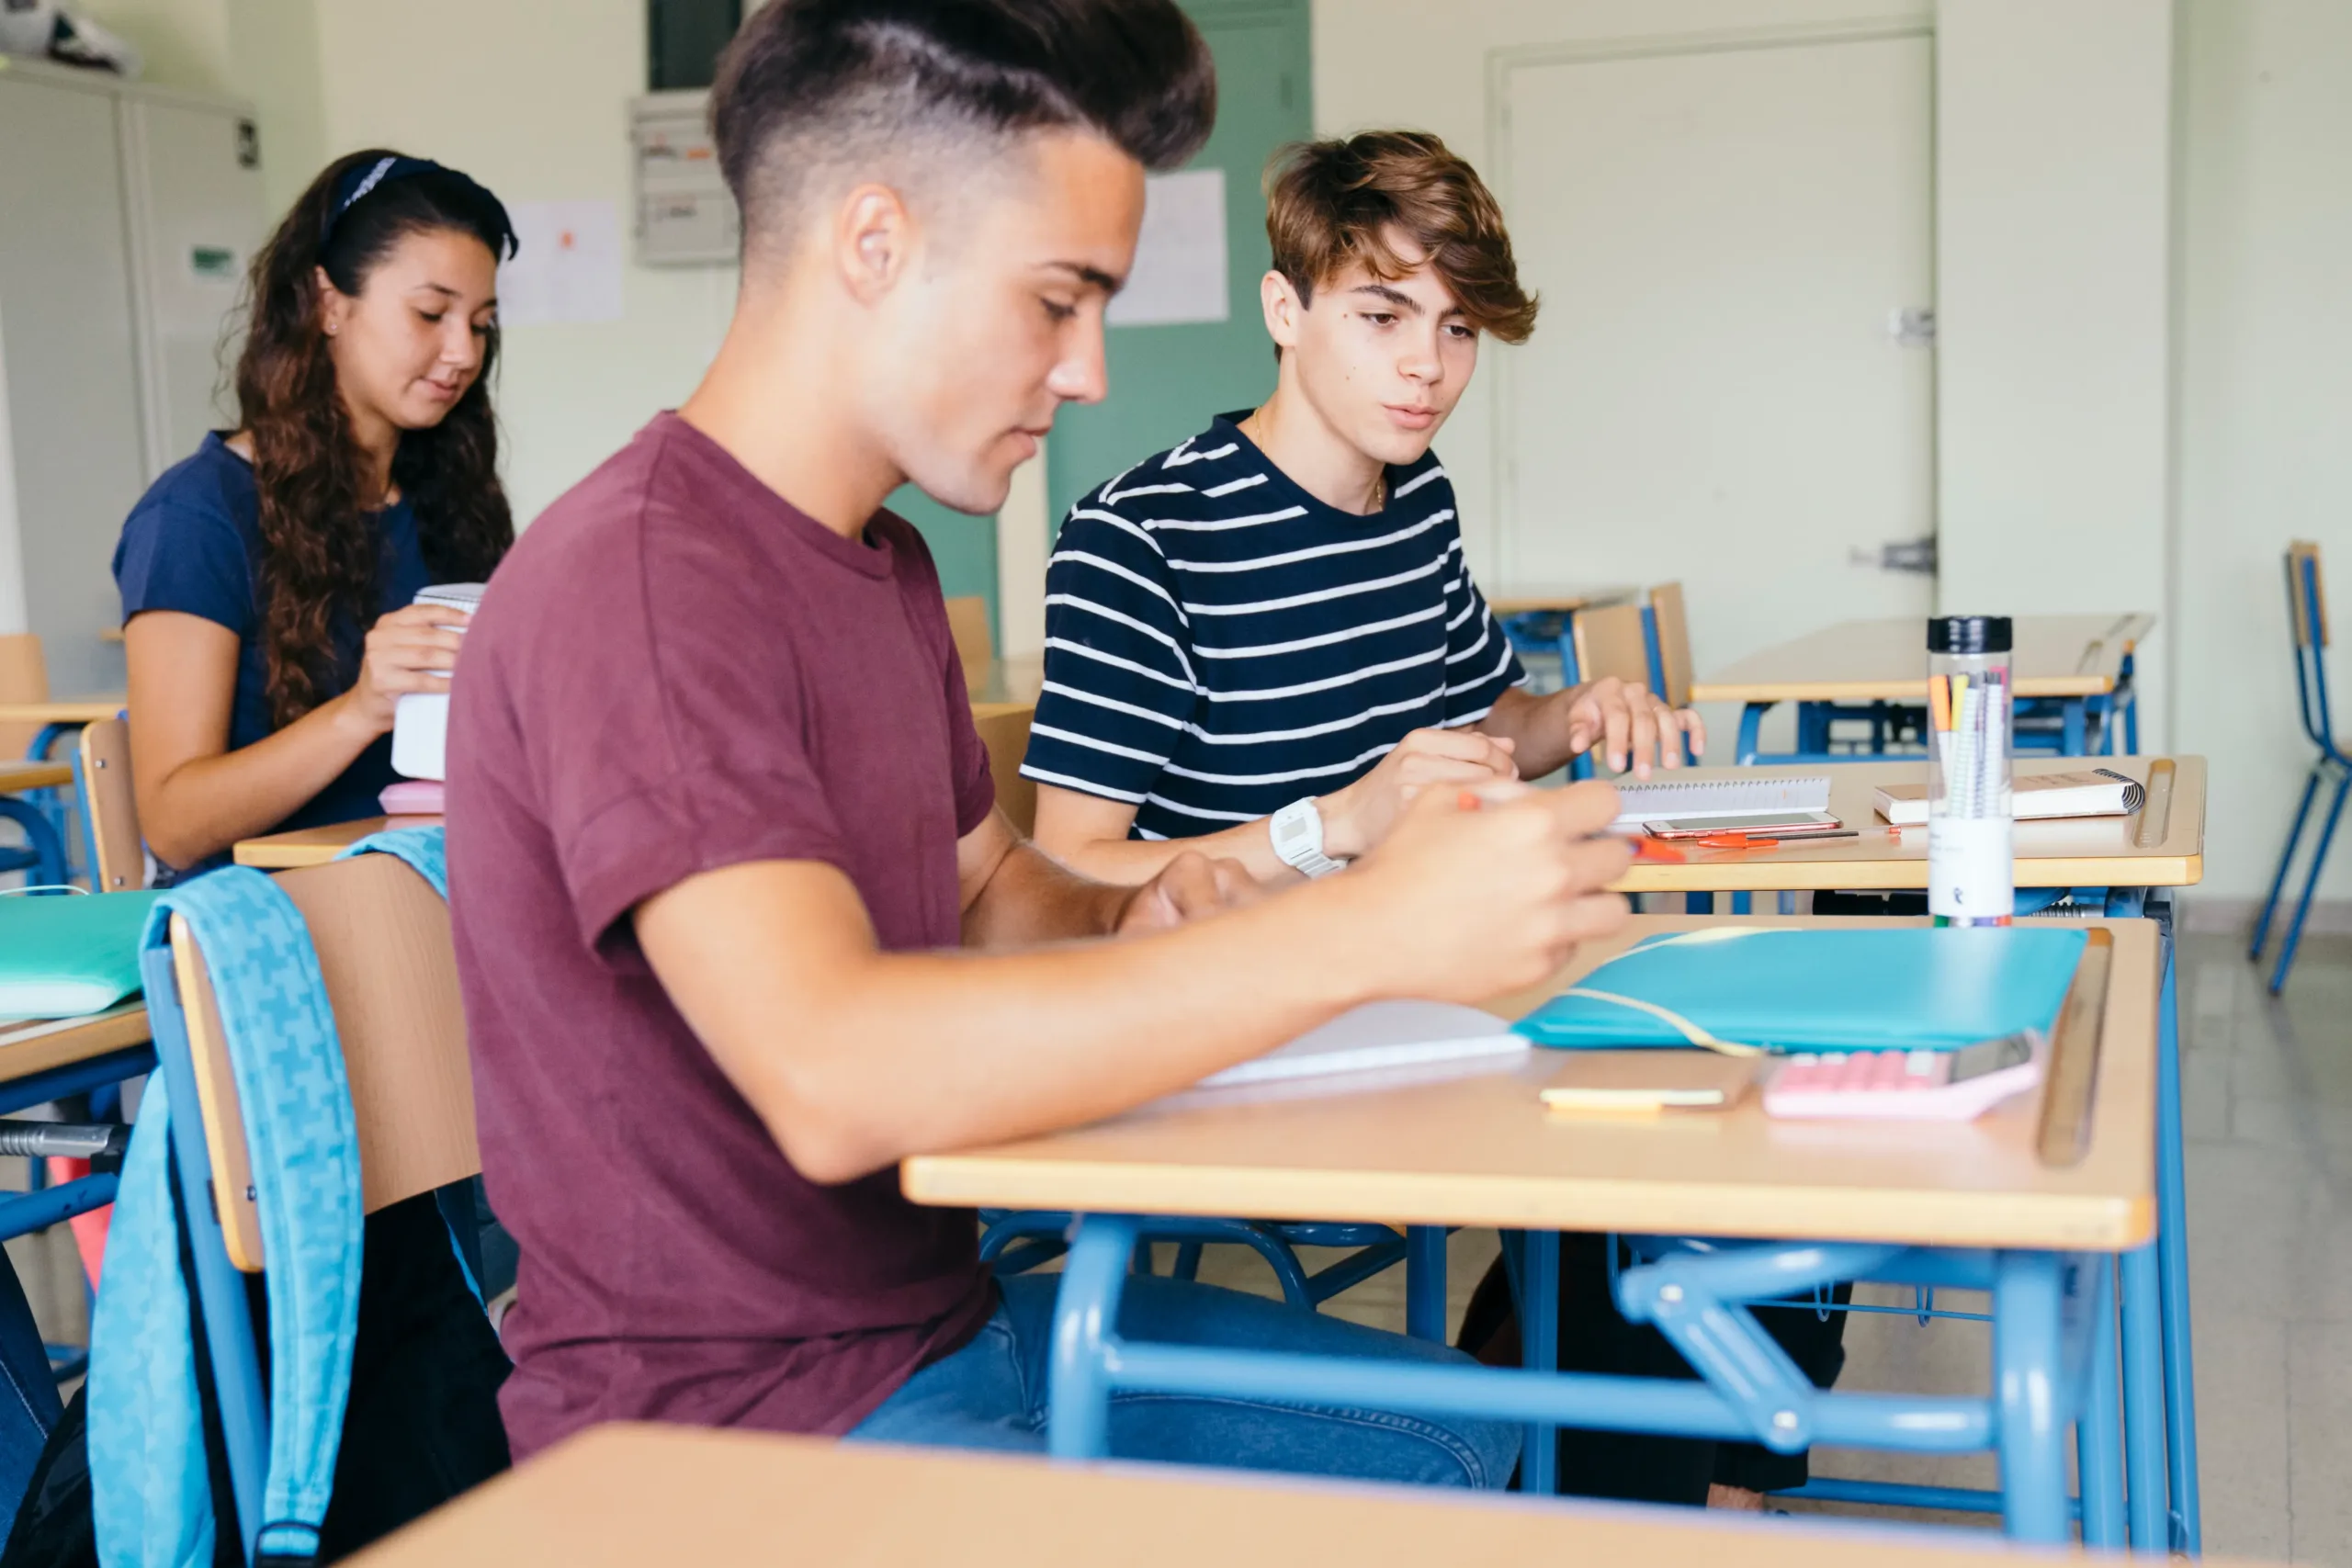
{"x": 1758, "y": 825}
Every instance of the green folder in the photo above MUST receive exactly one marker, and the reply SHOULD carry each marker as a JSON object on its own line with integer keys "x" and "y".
{"x": 65, "y": 954}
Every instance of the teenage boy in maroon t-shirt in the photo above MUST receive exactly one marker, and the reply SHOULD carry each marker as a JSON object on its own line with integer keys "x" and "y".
{"x": 720, "y": 822}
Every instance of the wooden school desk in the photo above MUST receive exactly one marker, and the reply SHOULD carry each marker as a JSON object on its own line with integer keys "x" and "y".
{"x": 2123, "y": 864}
{"x": 1479, "y": 1150}
{"x": 2081, "y": 663}
{"x": 2161, "y": 846}
{"x": 49, "y": 1058}
{"x": 623, "y": 1496}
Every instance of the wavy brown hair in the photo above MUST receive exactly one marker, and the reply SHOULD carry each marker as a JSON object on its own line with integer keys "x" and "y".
{"x": 1329, "y": 203}
{"x": 322, "y": 556}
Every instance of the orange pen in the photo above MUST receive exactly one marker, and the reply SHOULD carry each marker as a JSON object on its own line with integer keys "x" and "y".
{"x": 1736, "y": 842}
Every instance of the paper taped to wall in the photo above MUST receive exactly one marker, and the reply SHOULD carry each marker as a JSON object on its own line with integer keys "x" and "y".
{"x": 567, "y": 264}
{"x": 1180, "y": 271}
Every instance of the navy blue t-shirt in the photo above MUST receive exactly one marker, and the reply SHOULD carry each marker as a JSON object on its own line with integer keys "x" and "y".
{"x": 193, "y": 544}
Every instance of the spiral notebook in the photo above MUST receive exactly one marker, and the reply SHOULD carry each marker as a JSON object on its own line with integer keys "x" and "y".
{"x": 1669, "y": 800}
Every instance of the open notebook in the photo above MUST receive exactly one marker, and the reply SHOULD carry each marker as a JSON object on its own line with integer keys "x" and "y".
{"x": 1669, "y": 800}
{"x": 1381, "y": 1035}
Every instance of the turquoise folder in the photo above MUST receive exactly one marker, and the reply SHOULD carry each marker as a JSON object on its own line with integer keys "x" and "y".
{"x": 1918, "y": 988}
{"x": 63, "y": 955}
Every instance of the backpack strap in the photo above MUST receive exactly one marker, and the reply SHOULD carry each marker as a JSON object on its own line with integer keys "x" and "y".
{"x": 425, "y": 849}
{"x": 151, "y": 1499}
{"x": 299, "y": 1132}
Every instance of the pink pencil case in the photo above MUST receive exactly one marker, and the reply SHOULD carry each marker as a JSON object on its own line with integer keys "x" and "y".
{"x": 411, "y": 797}
{"x": 1906, "y": 1085}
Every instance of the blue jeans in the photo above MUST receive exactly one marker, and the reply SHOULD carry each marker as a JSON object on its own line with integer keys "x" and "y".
{"x": 991, "y": 1393}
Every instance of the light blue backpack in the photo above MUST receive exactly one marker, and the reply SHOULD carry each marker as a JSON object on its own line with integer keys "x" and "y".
{"x": 152, "y": 1498}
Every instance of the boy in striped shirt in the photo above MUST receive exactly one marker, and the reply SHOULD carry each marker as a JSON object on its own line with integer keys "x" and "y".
{"x": 1263, "y": 643}
{"x": 1266, "y": 640}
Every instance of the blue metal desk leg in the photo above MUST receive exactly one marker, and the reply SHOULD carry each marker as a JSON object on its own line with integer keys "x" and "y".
{"x": 2172, "y": 1261}
{"x": 1751, "y": 726}
{"x": 2144, "y": 1397}
{"x": 1086, "y": 1311}
{"x": 2028, "y": 1397}
{"x": 2098, "y": 1437}
{"x": 41, "y": 834}
{"x": 1425, "y": 1282}
{"x": 1539, "y": 1464}
{"x": 2073, "y": 725}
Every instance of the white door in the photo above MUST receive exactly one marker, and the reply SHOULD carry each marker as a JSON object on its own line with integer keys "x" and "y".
{"x": 1724, "y": 238}
{"x": 195, "y": 222}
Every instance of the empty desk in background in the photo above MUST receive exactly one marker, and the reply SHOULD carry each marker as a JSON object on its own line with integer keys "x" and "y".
{"x": 1480, "y": 1149}
{"x": 2081, "y": 664}
{"x": 638, "y": 1495}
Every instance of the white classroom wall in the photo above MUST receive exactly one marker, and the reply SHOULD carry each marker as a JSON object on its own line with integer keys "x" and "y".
{"x": 2167, "y": 454}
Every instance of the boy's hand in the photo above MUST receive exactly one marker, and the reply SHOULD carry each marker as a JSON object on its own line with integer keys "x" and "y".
{"x": 1187, "y": 887}
{"x": 1357, "y": 818}
{"x": 1630, "y": 723}
{"x": 1467, "y": 904}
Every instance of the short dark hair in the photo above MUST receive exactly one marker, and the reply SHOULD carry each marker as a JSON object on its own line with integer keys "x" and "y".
{"x": 1330, "y": 203}
{"x": 809, "y": 83}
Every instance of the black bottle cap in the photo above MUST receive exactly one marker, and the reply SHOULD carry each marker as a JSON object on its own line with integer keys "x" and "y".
{"x": 1968, "y": 633}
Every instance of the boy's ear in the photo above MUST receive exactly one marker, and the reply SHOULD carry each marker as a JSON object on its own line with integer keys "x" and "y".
{"x": 873, "y": 237}
{"x": 1283, "y": 307}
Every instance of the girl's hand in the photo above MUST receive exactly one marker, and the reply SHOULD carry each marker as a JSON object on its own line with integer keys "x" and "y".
{"x": 408, "y": 650}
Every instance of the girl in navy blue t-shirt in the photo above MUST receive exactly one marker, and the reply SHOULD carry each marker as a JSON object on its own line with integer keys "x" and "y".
{"x": 267, "y": 581}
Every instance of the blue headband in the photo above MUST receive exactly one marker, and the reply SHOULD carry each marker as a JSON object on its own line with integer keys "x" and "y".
{"x": 361, "y": 178}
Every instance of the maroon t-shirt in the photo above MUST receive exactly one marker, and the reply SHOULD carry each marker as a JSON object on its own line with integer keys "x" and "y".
{"x": 675, "y": 670}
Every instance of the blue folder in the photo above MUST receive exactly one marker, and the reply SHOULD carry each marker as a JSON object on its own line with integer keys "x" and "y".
{"x": 1918, "y": 988}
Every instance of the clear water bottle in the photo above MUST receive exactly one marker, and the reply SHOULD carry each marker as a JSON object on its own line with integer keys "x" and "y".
{"x": 1972, "y": 878}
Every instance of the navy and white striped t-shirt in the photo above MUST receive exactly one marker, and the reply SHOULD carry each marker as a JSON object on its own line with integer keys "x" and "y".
{"x": 1219, "y": 643}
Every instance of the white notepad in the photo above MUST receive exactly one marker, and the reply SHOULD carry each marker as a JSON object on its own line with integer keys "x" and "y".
{"x": 1380, "y": 1035}
{"x": 1668, "y": 800}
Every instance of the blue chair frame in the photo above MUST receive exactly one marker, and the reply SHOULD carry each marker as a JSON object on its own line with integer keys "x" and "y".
{"x": 2331, "y": 766}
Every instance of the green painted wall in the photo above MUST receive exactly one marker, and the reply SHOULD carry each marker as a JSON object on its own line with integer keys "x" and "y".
{"x": 1167, "y": 380}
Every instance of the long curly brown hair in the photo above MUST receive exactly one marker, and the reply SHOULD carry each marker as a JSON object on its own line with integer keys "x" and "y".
{"x": 320, "y": 550}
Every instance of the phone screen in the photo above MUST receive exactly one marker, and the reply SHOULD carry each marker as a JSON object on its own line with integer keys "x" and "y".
{"x": 1990, "y": 1056}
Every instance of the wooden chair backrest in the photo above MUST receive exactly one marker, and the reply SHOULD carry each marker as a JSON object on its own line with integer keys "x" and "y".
{"x": 968, "y": 621}
{"x": 1610, "y": 641}
{"x": 382, "y": 937}
{"x": 2299, "y": 552}
{"x": 1673, "y": 627}
{"x": 118, "y": 859}
{"x": 1006, "y": 735}
{"x": 24, "y": 678}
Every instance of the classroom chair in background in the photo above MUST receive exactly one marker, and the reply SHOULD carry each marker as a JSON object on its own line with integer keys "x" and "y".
{"x": 24, "y": 678}
{"x": 1611, "y": 640}
{"x": 2307, "y": 621}
{"x": 109, "y": 807}
{"x": 968, "y": 622}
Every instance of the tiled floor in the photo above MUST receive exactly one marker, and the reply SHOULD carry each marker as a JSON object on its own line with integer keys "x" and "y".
{"x": 2269, "y": 1100}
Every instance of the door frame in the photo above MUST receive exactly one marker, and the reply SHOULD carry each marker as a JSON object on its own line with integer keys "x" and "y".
{"x": 1499, "y": 528}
